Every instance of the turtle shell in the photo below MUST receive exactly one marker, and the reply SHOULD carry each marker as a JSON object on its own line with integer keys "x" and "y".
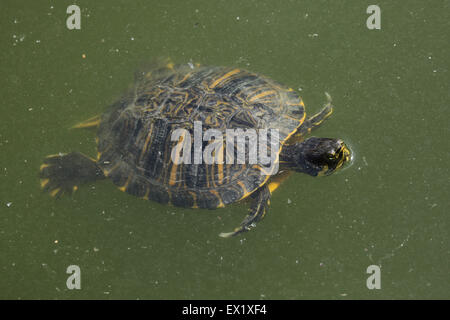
{"x": 135, "y": 144}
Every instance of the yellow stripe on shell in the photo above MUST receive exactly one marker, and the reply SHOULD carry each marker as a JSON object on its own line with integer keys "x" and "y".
{"x": 194, "y": 197}
{"x": 242, "y": 185}
{"x": 147, "y": 141}
{"x": 174, "y": 169}
{"x": 124, "y": 187}
{"x": 214, "y": 192}
{"x": 261, "y": 95}
{"x": 44, "y": 182}
{"x": 227, "y": 75}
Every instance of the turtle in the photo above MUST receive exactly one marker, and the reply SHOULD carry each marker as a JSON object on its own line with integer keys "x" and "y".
{"x": 136, "y": 144}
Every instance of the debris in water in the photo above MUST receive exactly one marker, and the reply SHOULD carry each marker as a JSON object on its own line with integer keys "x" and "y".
{"x": 365, "y": 161}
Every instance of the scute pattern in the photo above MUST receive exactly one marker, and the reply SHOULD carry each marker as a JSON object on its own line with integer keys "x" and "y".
{"x": 135, "y": 133}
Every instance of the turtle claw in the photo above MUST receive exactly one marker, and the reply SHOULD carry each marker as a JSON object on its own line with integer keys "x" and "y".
{"x": 226, "y": 234}
{"x": 329, "y": 100}
{"x": 233, "y": 233}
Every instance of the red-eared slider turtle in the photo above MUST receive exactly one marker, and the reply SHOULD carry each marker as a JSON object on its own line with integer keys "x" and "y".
{"x": 136, "y": 145}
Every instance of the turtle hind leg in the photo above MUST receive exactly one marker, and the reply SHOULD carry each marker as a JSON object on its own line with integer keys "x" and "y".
{"x": 258, "y": 209}
{"x": 63, "y": 173}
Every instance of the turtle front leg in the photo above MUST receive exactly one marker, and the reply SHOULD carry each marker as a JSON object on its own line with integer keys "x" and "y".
{"x": 314, "y": 121}
{"x": 258, "y": 209}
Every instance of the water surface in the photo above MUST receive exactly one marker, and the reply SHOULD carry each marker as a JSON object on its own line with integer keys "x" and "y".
{"x": 390, "y": 208}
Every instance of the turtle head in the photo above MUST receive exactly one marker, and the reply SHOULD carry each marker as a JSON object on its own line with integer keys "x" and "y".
{"x": 319, "y": 156}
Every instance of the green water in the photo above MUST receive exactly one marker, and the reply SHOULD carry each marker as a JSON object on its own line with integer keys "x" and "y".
{"x": 389, "y": 208}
